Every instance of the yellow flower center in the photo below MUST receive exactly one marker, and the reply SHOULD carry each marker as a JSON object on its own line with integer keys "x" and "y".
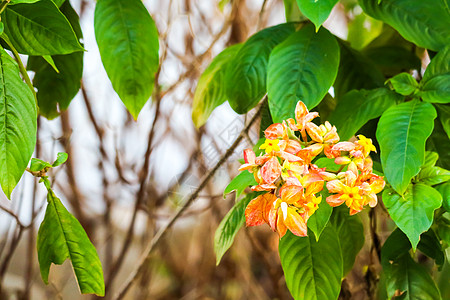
{"x": 270, "y": 146}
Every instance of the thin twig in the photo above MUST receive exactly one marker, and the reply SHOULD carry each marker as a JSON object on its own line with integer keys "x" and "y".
{"x": 143, "y": 261}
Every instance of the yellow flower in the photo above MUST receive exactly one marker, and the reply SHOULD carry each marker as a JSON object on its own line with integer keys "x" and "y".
{"x": 270, "y": 146}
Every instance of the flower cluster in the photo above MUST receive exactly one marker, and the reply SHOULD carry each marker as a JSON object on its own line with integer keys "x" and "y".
{"x": 291, "y": 182}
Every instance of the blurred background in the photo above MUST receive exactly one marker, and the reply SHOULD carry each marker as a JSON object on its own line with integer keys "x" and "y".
{"x": 125, "y": 179}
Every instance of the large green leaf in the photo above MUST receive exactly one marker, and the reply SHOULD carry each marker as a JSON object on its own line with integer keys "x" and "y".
{"x": 127, "y": 38}
{"x": 439, "y": 142}
{"x": 355, "y": 72}
{"x": 239, "y": 183}
{"x": 350, "y": 231}
{"x": 413, "y": 211}
{"x": 402, "y": 132}
{"x": 62, "y": 237}
{"x": 39, "y": 29}
{"x": 210, "y": 91}
{"x": 56, "y": 90}
{"x": 435, "y": 85}
{"x": 303, "y": 67}
{"x": 17, "y": 124}
{"x": 313, "y": 269}
{"x": 430, "y": 246}
{"x": 425, "y": 23}
{"x": 320, "y": 218}
{"x": 356, "y": 108}
{"x": 412, "y": 279}
{"x": 316, "y": 10}
{"x": 245, "y": 79}
{"x": 229, "y": 227}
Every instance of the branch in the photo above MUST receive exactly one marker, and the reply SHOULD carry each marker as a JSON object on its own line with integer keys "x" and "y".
{"x": 145, "y": 258}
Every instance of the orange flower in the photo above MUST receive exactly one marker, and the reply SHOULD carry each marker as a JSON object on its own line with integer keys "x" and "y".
{"x": 302, "y": 117}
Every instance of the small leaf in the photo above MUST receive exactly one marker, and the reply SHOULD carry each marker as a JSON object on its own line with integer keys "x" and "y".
{"x": 37, "y": 165}
{"x": 303, "y": 67}
{"x": 127, "y": 39}
{"x": 39, "y": 29}
{"x": 402, "y": 132}
{"x": 350, "y": 231}
{"x": 425, "y": 23}
{"x": 412, "y": 212}
{"x": 229, "y": 227}
{"x": 313, "y": 269}
{"x": 17, "y": 124}
{"x": 404, "y": 84}
{"x": 321, "y": 216}
{"x": 245, "y": 78}
{"x": 61, "y": 237}
{"x": 239, "y": 183}
{"x": 51, "y": 62}
{"x": 433, "y": 175}
{"x": 360, "y": 107}
{"x": 209, "y": 92}
{"x": 316, "y": 10}
{"x": 60, "y": 159}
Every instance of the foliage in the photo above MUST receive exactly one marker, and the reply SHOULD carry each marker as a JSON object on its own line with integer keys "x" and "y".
{"x": 370, "y": 87}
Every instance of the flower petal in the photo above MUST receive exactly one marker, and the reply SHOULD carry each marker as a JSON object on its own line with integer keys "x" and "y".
{"x": 334, "y": 200}
{"x": 335, "y": 186}
{"x": 271, "y": 170}
{"x": 295, "y": 223}
{"x": 291, "y": 193}
{"x": 274, "y": 131}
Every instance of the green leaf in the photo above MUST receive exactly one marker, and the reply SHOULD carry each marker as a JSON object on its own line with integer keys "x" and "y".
{"x": 209, "y": 92}
{"x": 51, "y": 62}
{"x": 127, "y": 38}
{"x": 316, "y": 10}
{"x": 245, "y": 78}
{"x": 412, "y": 279}
{"x": 61, "y": 237}
{"x": 37, "y": 165}
{"x": 430, "y": 246}
{"x": 439, "y": 65}
{"x": 392, "y": 60}
{"x": 350, "y": 231}
{"x": 395, "y": 246}
{"x": 425, "y": 23}
{"x": 430, "y": 159}
{"x": 291, "y": 11}
{"x": 444, "y": 190}
{"x": 435, "y": 85}
{"x": 229, "y": 227}
{"x": 320, "y": 218}
{"x": 402, "y": 132}
{"x": 56, "y": 90}
{"x": 438, "y": 142}
{"x": 444, "y": 117}
{"x": 60, "y": 159}
{"x": 22, "y": 1}
{"x": 239, "y": 183}
{"x": 413, "y": 211}
{"x": 360, "y": 107}
{"x": 17, "y": 124}
{"x": 39, "y": 29}
{"x": 328, "y": 163}
{"x": 303, "y": 67}
{"x": 433, "y": 175}
{"x": 355, "y": 72}
{"x": 404, "y": 84}
{"x": 437, "y": 89}
{"x": 313, "y": 269}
